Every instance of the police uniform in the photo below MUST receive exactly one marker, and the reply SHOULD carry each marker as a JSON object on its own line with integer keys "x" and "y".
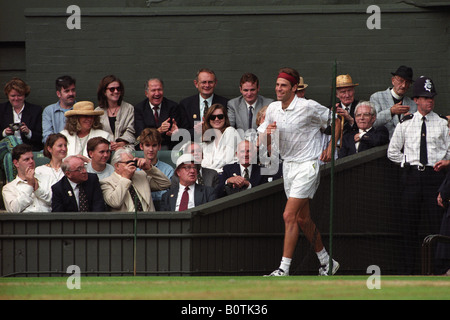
{"x": 420, "y": 214}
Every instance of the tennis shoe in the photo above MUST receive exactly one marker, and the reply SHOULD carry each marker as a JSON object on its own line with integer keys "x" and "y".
{"x": 323, "y": 270}
{"x": 278, "y": 273}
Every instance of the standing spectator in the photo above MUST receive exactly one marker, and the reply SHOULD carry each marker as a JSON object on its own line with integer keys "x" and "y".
{"x": 188, "y": 193}
{"x": 20, "y": 118}
{"x": 118, "y": 116}
{"x": 345, "y": 92}
{"x": 24, "y": 193}
{"x": 301, "y": 88}
{"x": 127, "y": 186}
{"x": 53, "y": 119}
{"x": 82, "y": 124}
{"x": 366, "y": 136}
{"x": 197, "y": 105}
{"x": 99, "y": 152}
{"x": 158, "y": 112}
{"x": 392, "y": 104}
{"x": 78, "y": 190}
{"x": 419, "y": 144}
{"x": 243, "y": 109}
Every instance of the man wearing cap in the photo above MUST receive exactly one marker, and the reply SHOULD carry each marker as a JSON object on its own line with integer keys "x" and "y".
{"x": 421, "y": 146}
{"x": 128, "y": 189}
{"x": 345, "y": 92}
{"x": 187, "y": 194}
{"x": 301, "y": 88}
{"x": 243, "y": 109}
{"x": 392, "y": 104}
{"x": 298, "y": 123}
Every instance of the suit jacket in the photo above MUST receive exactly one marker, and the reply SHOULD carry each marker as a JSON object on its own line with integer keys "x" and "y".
{"x": 383, "y": 101}
{"x": 124, "y": 125}
{"x": 31, "y": 116}
{"x": 191, "y": 107}
{"x": 210, "y": 178}
{"x": 238, "y": 112}
{"x": 63, "y": 199}
{"x": 144, "y": 117}
{"x": 116, "y": 195}
{"x": 230, "y": 170}
{"x": 376, "y": 136}
{"x": 347, "y": 126}
{"x": 202, "y": 194}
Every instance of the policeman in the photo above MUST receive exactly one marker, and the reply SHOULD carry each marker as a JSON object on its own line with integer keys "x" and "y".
{"x": 421, "y": 145}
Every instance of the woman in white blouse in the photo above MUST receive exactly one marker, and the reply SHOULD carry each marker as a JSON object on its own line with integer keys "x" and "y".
{"x": 219, "y": 138}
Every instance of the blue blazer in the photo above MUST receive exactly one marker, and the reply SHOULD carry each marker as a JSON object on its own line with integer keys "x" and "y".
{"x": 63, "y": 199}
{"x": 376, "y": 136}
{"x": 202, "y": 194}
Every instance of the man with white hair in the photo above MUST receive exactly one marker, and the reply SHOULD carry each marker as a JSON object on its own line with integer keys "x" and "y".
{"x": 126, "y": 187}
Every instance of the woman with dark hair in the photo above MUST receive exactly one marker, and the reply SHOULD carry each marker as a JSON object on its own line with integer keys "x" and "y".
{"x": 219, "y": 138}
{"x": 118, "y": 116}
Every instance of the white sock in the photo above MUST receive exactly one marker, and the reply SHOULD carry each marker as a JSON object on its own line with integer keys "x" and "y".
{"x": 285, "y": 264}
{"x": 323, "y": 256}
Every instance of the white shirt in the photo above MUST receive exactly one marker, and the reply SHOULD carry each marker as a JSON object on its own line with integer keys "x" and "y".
{"x": 361, "y": 133}
{"x": 298, "y": 126}
{"x": 407, "y": 135}
{"x": 76, "y": 191}
{"x": 47, "y": 177}
{"x": 191, "y": 203}
{"x": 19, "y": 196}
{"x": 202, "y": 104}
{"x": 222, "y": 151}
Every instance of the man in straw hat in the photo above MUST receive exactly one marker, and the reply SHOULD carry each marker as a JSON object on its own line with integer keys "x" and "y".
{"x": 187, "y": 194}
{"x": 392, "y": 104}
{"x": 298, "y": 123}
{"x": 301, "y": 88}
{"x": 82, "y": 124}
{"x": 345, "y": 92}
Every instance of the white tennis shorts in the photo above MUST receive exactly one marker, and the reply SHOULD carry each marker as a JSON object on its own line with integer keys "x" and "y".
{"x": 301, "y": 179}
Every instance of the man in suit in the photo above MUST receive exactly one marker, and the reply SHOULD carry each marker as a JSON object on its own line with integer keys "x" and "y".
{"x": 19, "y": 117}
{"x": 345, "y": 92}
{"x": 78, "y": 190}
{"x": 243, "y": 109}
{"x": 156, "y": 111}
{"x": 187, "y": 194}
{"x": 128, "y": 189}
{"x": 392, "y": 104}
{"x": 196, "y": 106}
{"x": 241, "y": 175}
{"x": 205, "y": 176}
{"x": 366, "y": 136}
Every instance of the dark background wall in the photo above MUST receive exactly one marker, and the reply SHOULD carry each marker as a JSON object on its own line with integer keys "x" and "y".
{"x": 171, "y": 39}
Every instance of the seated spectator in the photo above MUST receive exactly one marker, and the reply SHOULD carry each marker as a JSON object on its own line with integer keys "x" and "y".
{"x": 205, "y": 176}
{"x": 56, "y": 150}
{"x": 24, "y": 193}
{"x": 220, "y": 139}
{"x": 187, "y": 194}
{"x": 150, "y": 142}
{"x": 99, "y": 153}
{"x": 53, "y": 119}
{"x": 19, "y": 117}
{"x": 158, "y": 112}
{"x": 82, "y": 124}
{"x": 78, "y": 190}
{"x": 367, "y": 136}
{"x": 118, "y": 116}
{"x": 127, "y": 186}
{"x": 242, "y": 175}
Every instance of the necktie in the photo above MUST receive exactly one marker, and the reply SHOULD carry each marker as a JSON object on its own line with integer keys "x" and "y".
{"x": 184, "y": 200}
{"x": 134, "y": 196}
{"x": 423, "y": 143}
{"x": 250, "y": 117}
{"x": 200, "y": 179}
{"x": 246, "y": 176}
{"x": 83, "y": 205}
{"x": 156, "y": 115}
{"x": 206, "y": 107}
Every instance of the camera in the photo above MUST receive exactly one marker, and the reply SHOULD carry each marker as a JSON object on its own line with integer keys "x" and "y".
{"x": 133, "y": 162}
{"x": 15, "y": 126}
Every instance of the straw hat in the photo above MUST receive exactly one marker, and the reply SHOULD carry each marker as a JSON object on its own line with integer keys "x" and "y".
{"x": 83, "y": 108}
{"x": 301, "y": 85}
{"x": 344, "y": 80}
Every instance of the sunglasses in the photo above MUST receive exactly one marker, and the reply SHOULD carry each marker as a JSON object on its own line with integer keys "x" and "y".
{"x": 216, "y": 116}
{"x": 112, "y": 89}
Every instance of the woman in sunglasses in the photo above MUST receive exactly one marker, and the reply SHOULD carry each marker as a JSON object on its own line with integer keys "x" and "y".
{"x": 220, "y": 139}
{"x": 118, "y": 117}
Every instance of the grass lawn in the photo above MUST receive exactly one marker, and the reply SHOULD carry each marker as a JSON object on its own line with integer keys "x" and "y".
{"x": 226, "y": 288}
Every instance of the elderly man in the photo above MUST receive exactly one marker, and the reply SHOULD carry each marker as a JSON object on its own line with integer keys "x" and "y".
{"x": 345, "y": 92}
{"x": 366, "y": 136}
{"x": 126, "y": 187}
{"x": 187, "y": 194}
{"x": 392, "y": 104}
{"x": 24, "y": 194}
{"x": 78, "y": 190}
